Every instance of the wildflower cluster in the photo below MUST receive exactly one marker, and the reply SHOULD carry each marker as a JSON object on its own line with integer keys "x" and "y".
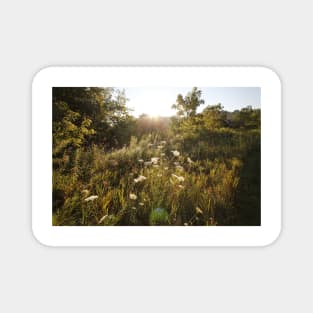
{"x": 154, "y": 184}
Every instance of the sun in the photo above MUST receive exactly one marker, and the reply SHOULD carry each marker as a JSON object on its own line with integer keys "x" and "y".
{"x": 153, "y": 107}
{"x": 154, "y": 102}
{"x": 153, "y": 111}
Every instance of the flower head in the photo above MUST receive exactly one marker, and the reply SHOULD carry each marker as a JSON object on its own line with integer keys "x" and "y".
{"x": 102, "y": 219}
{"x": 179, "y": 178}
{"x": 139, "y": 179}
{"x": 189, "y": 160}
{"x": 154, "y": 160}
{"x": 91, "y": 198}
{"x": 198, "y": 210}
{"x": 132, "y": 196}
{"x": 176, "y": 153}
{"x": 140, "y": 160}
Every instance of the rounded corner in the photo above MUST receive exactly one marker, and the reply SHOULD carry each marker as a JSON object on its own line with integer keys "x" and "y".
{"x": 273, "y": 239}
{"x": 272, "y": 74}
{"x": 40, "y": 74}
{"x": 38, "y": 238}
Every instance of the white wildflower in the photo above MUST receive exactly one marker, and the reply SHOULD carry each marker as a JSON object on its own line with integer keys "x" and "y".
{"x": 102, "y": 219}
{"x": 133, "y": 208}
{"x": 139, "y": 179}
{"x": 176, "y": 153}
{"x": 91, "y": 198}
{"x": 189, "y": 160}
{"x": 132, "y": 196}
{"x": 198, "y": 210}
{"x": 141, "y": 204}
{"x": 179, "y": 178}
{"x": 140, "y": 160}
{"x": 154, "y": 160}
{"x": 181, "y": 186}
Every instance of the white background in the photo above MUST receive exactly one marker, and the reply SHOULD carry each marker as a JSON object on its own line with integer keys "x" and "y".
{"x": 35, "y": 34}
{"x": 262, "y": 235}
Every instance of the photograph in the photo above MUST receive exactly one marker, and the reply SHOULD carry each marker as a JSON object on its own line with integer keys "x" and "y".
{"x": 156, "y": 156}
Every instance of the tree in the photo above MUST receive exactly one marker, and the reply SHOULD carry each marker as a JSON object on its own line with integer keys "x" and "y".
{"x": 247, "y": 118}
{"x": 86, "y": 101}
{"x": 104, "y": 108}
{"x": 187, "y": 106}
{"x": 69, "y": 129}
{"x": 213, "y": 116}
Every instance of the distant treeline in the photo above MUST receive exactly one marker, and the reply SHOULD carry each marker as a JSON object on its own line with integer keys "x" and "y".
{"x": 86, "y": 116}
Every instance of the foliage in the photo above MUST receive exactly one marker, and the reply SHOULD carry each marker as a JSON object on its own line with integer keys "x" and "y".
{"x": 70, "y": 130}
{"x": 112, "y": 169}
{"x": 187, "y": 106}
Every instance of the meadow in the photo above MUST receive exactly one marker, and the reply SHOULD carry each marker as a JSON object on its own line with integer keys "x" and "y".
{"x": 113, "y": 169}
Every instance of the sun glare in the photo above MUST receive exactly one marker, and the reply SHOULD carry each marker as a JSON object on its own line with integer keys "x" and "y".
{"x": 157, "y": 101}
{"x": 154, "y": 102}
{"x": 153, "y": 110}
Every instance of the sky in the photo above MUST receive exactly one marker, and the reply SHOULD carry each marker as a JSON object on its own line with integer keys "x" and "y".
{"x": 157, "y": 101}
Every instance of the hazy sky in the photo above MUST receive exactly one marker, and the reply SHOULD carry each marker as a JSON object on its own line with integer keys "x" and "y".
{"x": 158, "y": 100}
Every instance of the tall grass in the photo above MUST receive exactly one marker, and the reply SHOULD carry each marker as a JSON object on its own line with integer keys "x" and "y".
{"x": 154, "y": 181}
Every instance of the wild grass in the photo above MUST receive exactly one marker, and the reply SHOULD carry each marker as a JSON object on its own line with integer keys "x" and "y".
{"x": 155, "y": 181}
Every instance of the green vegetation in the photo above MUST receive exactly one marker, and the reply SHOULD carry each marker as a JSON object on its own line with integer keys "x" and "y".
{"x": 110, "y": 168}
